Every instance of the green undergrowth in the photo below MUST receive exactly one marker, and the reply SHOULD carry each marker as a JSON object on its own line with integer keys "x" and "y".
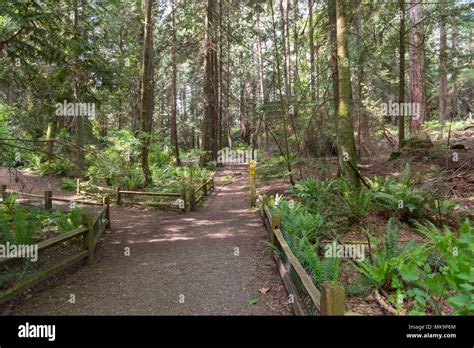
{"x": 432, "y": 273}
{"x": 23, "y": 224}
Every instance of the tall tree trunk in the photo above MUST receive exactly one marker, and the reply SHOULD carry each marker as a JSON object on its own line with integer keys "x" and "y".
{"x": 454, "y": 53}
{"x": 184, "y": 115}
{"x": 219, "y": 80}
{"x": 401, "y": 75}
{"x": 50, "y": 135}
{"x": 333, "y": 39}
{"x": 80, "y": 159}
{"x": 284, "y": 9}
{"x": 147, "y": 92}
{"x": 245, "y": 133}
{"x": 443, "y": 79}
{"x": 215, "y": 87}
{"x": 296, "y": 76}
{"x": 174, "y": 127}
{"x": 210, "y": 86}
{"x": 228, "y": 84}
{"x": 121, "y": 64}
{"x": 263, "y": 98}
{"x": 347, "y": 153}
{"x": 417, "y": 64}
{"x": 79, "y": 121}
{"x": 363, "y": 131}
{"x": 311, "y": 52}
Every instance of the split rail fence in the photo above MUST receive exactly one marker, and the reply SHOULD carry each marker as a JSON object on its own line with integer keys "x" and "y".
{"x": 57, "y": 253}
{"x": 305, "y": 297}
{"x": 187, "y": 199}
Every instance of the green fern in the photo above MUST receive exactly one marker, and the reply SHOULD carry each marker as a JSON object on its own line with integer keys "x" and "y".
{"x": 361, "y": 286}
{"x": 359, "y": 202}
{"x": 380, "y": 269}
{"x": 332, "y": 268}
{"x": 406, "y": 177}
{"x": 309, "y": 257}
{"x": 391, "y": 243}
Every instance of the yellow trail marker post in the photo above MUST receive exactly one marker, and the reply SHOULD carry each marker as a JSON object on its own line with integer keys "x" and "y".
{"x": 253, "y": 188}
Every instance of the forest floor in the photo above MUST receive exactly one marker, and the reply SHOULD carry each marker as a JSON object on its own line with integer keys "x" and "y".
{"x": 214, "y": 261}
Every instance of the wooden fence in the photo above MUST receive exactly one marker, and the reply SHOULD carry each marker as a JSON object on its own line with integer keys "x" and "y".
{"x": 305, "y": 297}
{"x": 184, "y": 200}
{"x": 85, "y": 237}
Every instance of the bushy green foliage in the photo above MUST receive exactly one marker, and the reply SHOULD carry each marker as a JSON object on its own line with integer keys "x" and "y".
{"x": 174, "y": 179}
{"x": 358, "y": 202}
{"x": 314, "y": 192}
{"x": 16, "y": 225}
{"x": 327, "y": 269}
{"x": 192, "y": 154}
{"x": 408, "y": 202}
{"x": 378, "y": 268}
{"x": 269, "y": 168}
{"x": 21, "y": 224}
{"x": 118, "y": 164}
{"x": 319, "y": 197}
{"x": 55, "y": 167}
{"x": 160, "y": 156}
{"x": 299, "y": 221}
{"x": 67, "y": 220}
{"x": 121, "y": 166}
{"x": 336, "y": 200}
{"x": 302, "y": 230}
{"x": 405, "y": 200}
{"x": 440, "y": 268}
{"x": 7, "y": 153}
{"x": 68, "y": 184}
{"x": 441, "y": 207}
{"x": 399, "y": 197}
{"x": 422, "y": 270}
{"x": 452, "y": 276}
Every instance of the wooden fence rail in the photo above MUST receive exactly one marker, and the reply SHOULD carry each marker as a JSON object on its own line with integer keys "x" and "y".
{"x": 48, "y": 198}
{"x": 188, "y": 198}
{"x": 305, "y": 297}
{"x": 90, "y": 233}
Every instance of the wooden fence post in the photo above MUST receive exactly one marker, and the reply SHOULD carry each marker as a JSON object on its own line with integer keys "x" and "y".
{"x": 183, "y": 197}
{"x": 119, "y": 198}
{"x": 78, "y": 187}
{"x": 89, "y": 237}
{"x": 274, "y": 225}
{"x": 253, "y": 193}
{"x": 4, "y": 192}
{"x": 204, "y": 186}
{"x": 48, "y": 200}
{"x": 262, "y": 207}
{"x": 106, "y": 202}
{"x": 192, "y": 198}
{"x": 333, "y": 299}
{"x": 275, "y": 221}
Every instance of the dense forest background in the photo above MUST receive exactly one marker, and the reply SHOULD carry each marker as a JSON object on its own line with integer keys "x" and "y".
{"x": 359, "y": 113}
{"x": 228, "y": 73}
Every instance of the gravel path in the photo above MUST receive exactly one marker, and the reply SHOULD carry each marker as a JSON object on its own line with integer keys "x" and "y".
{"x": 212, "y": 261}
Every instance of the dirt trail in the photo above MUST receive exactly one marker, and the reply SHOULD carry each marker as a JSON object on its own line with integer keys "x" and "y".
{"x": 179, "y": 264}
